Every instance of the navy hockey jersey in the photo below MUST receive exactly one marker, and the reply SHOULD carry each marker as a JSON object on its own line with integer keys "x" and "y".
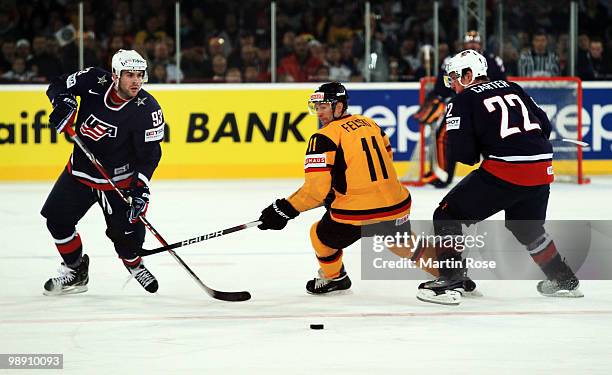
{"x": 125, "y": 138}
{"x": 499, "y": 121}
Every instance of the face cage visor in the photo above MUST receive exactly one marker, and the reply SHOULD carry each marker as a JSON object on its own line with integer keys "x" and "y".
{"x": 448, "y": 79}
{"x": 312, "y": 106}
{"x": 317, "y": 98}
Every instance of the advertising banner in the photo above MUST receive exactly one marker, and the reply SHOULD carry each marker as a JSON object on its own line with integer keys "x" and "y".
{"x": 211, "y": 133}
{"x": 258, "y": 130}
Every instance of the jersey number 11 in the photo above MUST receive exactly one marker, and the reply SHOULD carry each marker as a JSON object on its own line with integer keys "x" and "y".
{"x": 366, "y": 149}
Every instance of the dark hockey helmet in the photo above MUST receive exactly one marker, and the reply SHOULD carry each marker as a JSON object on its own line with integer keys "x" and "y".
{"x": 332, "y": 92}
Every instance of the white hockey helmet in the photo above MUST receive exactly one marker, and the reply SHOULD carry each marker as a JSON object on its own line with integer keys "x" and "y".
{"x": 468, "y": 59}
{"x": 128, "y": 59}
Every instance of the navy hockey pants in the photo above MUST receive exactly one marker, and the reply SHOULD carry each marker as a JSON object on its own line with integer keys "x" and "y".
{"x": 480, "y": 195}
{"x": 70, "y": 200}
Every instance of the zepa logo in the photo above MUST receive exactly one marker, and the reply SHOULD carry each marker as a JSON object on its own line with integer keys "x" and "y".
{"x": 96, "y": 129}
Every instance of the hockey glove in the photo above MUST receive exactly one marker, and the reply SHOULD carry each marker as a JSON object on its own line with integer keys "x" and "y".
{"x": 276, "y": 215}
{"x": 64, "y": 105}
{"x": 139, "y": 202}
{"x": 430, "y": 111}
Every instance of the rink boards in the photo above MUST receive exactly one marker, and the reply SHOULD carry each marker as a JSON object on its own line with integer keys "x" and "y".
{"x": 258, "y": 130}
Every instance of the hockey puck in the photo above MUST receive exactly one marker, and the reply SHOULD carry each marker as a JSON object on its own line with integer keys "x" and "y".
{"x": 316, "y": 326}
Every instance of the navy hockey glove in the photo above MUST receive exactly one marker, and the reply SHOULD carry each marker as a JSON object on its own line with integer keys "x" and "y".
{"x": 64, "y": 105}
{"x": 276, "y": 215}
{"x": 139, "y": 202}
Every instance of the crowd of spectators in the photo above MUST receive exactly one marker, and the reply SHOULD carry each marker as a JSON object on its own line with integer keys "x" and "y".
{"x": 229, "y": 41}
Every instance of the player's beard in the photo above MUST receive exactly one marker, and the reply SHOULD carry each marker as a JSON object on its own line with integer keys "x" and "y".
{"x": 126, "y": 93}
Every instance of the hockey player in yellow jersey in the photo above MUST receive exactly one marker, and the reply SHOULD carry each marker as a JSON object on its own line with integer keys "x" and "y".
{"x": 348, "y": 168}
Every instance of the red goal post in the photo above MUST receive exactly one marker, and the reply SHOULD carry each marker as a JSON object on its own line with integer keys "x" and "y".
{"x": 553, "y": 95}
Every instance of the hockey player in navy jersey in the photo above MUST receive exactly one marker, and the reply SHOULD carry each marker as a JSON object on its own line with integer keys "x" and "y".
{"x": 123, "y": 126}
{"x": 498, "y": 120}
{"x": 434, "y": 106}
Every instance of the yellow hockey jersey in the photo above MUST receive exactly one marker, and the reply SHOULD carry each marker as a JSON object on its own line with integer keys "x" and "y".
{"x": 351, "y": 159}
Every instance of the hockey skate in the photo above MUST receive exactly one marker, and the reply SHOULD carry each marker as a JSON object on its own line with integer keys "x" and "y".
{"x": 447, "y": 291}
{"x": 564, "y": 288}
{"x": 322, "y": 285}
{"x": 70, "y": 280}
{"x": 143, "y": 276}
{"x": 563, "y": 284}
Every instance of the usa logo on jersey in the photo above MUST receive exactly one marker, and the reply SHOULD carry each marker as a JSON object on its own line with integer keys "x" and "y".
{"x": 97, "y": 129}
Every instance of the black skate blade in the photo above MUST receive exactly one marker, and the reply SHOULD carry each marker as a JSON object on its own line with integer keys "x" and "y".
{"x": 231, "y": 296}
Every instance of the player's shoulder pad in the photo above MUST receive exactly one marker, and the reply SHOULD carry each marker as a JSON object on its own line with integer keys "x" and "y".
{"x": 522, "y": 92}
{"x": 88, "y": 76}
{"x": 145, "y": 101}
{"x": 99, "y": 71}
{"x": 320, "y": 143}
{"x": 515, "y": 86}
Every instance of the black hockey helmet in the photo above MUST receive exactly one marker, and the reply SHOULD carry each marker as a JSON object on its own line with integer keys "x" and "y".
{"x": 332, "y": 92}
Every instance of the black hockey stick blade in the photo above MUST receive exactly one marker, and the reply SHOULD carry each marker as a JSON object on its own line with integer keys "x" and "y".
{"x": 231, "y": 296}
{"x": 216, "y": 294}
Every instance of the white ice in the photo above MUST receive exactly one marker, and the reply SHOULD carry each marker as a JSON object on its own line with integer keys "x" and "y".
{"x": 379, "y": 328}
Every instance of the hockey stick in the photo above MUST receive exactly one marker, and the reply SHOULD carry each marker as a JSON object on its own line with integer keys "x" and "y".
{"x": 224, "y": 296}
{"x": 576, "y": 142}
{"x": 191, "y": 241}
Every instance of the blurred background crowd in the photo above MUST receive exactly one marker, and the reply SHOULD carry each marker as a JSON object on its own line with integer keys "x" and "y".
{"x": 229, "y": 41}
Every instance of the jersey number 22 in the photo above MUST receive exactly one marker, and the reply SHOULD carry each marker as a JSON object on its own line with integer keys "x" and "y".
{"x": 505, "y": 128}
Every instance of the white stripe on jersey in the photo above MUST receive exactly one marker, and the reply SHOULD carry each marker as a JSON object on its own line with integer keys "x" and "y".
{"x": 523, "y": 157}
{"x": 121, "y": 177}
{"x": 143, "y": 178}
{"x": 106, "y": 97}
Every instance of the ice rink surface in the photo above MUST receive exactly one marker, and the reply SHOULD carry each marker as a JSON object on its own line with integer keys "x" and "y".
{"x": 379, "y": 328}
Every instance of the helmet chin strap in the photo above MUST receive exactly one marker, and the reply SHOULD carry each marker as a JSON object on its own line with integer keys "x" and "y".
{"x": 116, "y": 81}
{"x": 333, "y": 108}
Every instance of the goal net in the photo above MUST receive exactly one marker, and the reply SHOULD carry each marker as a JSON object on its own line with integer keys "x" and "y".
{"x": 559, "y": 97}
